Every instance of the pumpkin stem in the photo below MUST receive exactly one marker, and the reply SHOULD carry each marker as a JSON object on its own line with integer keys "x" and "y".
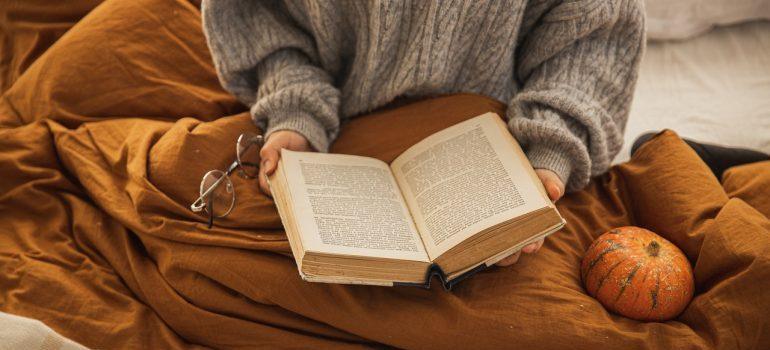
{"x": 653, "y": 248}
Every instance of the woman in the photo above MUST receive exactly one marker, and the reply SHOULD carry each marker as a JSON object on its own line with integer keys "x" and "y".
{"x": 566, "y": 69}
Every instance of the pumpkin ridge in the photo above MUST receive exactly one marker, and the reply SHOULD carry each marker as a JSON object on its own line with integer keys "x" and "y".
{"x": 639, "y": 293}
{"x": 601, "y": 281}
{"x": 613, "y": 247}
{"x": 627, "y": 281}
{"x": 654, "y": 294}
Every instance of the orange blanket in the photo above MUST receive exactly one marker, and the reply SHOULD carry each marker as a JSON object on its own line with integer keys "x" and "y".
{"x": 104, "y": 138}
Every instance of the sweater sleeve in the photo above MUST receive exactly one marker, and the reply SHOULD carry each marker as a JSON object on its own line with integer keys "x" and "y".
{"x": 270, "y": 64}
{"x": 577, "y": 68}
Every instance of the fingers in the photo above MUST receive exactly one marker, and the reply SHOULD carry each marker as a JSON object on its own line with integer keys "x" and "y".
{"x": 528, "y": 249}
{"x": 532, "y": 247}
{"x": 510, "y": 260}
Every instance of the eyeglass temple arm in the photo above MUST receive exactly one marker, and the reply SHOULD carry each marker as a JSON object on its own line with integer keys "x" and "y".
{"x": 211, "y": 215}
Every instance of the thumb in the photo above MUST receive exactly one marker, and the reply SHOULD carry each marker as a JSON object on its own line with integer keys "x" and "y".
{"x": 554, "y": 192}
{"x": 270, "y": 156}
{"x": 552, "y": 183}
{"x": 267, "y": 167}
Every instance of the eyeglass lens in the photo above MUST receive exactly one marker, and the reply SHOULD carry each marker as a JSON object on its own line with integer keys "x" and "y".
{"x": 249, "y": 145}
{"x": 219, "y": 202}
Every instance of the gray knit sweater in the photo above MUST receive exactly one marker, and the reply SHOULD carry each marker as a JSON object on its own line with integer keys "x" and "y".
{"x": 567, "y": 69}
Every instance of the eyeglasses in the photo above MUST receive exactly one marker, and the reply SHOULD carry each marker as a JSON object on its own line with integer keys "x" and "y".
{"x": 217, "y": 194}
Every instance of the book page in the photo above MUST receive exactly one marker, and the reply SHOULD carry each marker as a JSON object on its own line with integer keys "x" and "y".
{"x": 350, "y": 205}
{"x": 464, "y": 179}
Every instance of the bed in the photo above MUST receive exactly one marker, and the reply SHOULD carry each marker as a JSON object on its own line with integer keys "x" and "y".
{"x": 713, "y": 88}
{"x": 106, "y": 130}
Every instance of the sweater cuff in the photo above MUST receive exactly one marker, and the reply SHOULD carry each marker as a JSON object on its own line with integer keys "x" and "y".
{"x": 301, "y": 122}
{"x": 550, "y": 157}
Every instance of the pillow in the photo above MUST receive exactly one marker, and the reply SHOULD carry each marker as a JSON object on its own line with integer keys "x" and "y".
{"x": 682, "y": 19}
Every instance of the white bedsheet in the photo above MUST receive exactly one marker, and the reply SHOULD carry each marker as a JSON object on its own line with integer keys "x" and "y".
{"x": 18, "y": 332}
{"x": 713, "y": 88}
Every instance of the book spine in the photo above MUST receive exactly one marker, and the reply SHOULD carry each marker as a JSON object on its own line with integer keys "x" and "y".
{"x": 435, "y": 271}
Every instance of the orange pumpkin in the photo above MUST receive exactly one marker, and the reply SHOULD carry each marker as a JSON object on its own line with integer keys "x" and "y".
{"x": 638, "y": 274}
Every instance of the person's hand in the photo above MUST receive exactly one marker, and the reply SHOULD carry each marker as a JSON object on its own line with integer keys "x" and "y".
{"x": 271, "y": 153}
{"x": 555, "y": 188}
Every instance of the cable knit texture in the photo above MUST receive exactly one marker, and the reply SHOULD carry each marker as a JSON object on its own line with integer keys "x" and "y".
{"x": 566, "y": 68}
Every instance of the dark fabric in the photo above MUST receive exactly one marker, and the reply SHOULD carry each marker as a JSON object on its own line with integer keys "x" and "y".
{"x": 718, "y": 158}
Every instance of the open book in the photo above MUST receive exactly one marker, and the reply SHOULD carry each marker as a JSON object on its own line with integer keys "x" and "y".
{"x": 452, "y": 204}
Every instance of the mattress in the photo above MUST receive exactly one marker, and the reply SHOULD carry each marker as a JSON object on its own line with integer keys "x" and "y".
{"x": 713, "y": 88}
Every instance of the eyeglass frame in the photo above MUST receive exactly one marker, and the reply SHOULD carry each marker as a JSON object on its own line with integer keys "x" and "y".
{"x": 200, "y": 203}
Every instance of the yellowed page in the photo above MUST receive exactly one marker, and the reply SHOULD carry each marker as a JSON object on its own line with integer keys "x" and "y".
{"x": 464, "y": 179}
{"x": 350, "y": 205}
